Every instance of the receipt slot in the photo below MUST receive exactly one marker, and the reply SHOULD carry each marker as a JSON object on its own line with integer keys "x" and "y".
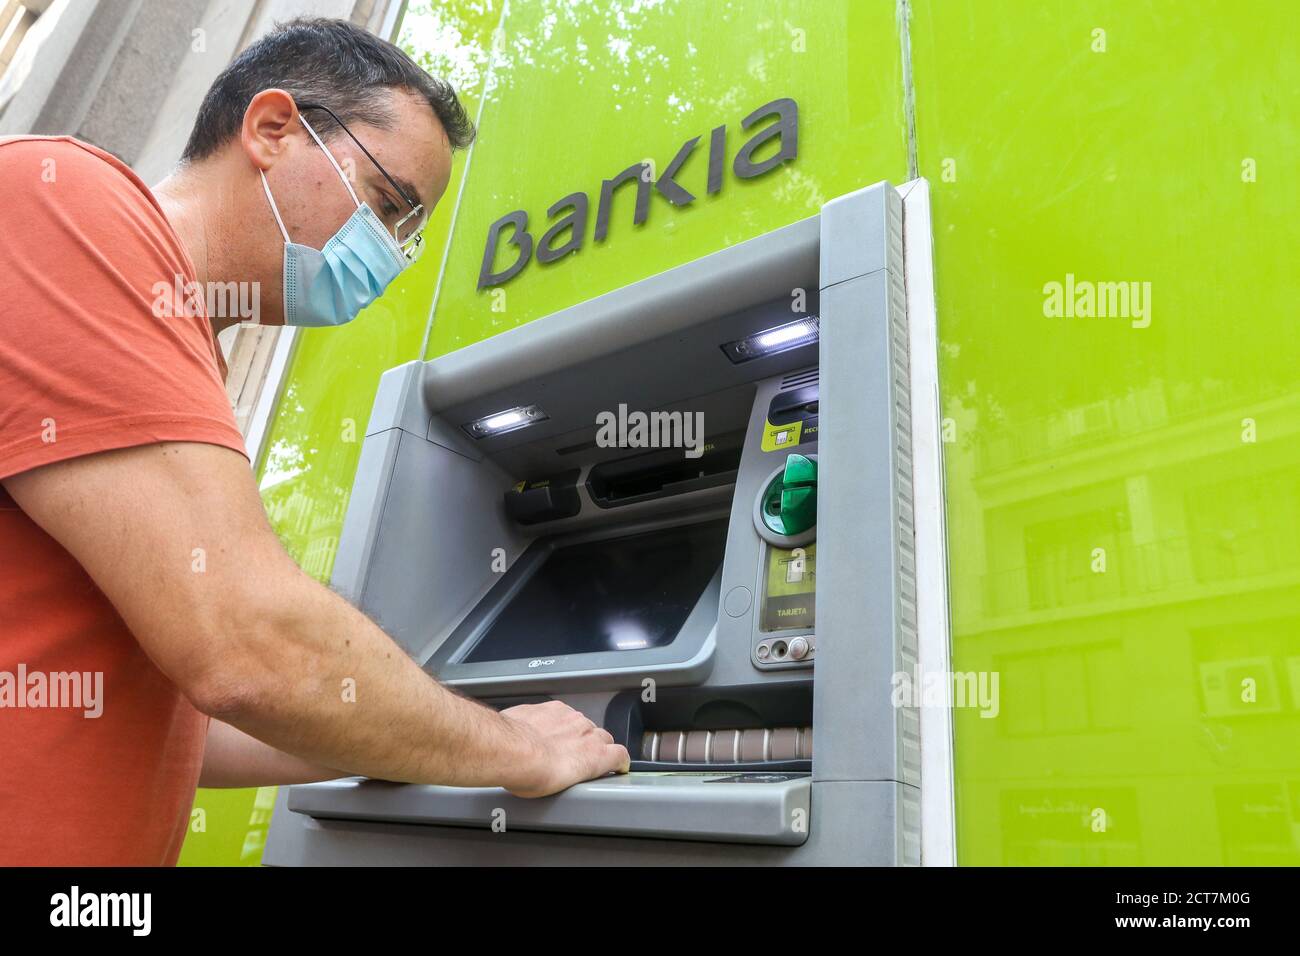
{"x": 685, "y": 510}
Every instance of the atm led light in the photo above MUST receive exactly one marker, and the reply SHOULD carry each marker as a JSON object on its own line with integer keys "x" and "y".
{"x": 771, "y": 341}
{"x": 786, "y": 334}
{"x": 498, "y": 423}
{"x": 504, "y": 420}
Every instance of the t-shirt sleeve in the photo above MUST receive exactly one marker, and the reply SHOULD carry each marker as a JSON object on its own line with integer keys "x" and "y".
{"x": 97, "y": 350}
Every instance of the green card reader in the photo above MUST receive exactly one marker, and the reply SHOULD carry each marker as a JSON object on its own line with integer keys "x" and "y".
{"x": 789, "y": 504}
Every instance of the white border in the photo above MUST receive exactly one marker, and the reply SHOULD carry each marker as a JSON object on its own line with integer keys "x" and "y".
{"x": 938, "y": 839}
{"x": 392, "y": 21}
{"x": 268, "y": 398}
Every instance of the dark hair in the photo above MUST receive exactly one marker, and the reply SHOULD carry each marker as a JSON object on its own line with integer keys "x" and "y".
{"x": 331, "y": 62}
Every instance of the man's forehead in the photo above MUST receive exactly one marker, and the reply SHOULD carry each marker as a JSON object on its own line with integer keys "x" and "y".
{"x": 409, "y": 153}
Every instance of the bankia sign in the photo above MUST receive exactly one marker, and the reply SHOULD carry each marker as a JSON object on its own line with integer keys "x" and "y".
{"x": 566, "y": 227}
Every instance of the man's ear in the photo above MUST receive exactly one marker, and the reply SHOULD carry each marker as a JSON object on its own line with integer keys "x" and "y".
{"x": 269, "y": 120}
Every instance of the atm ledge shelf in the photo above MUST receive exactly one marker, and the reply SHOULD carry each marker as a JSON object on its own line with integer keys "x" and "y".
{"x": 768, "y": 808}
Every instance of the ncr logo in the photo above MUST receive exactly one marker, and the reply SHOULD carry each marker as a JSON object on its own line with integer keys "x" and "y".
{"x": 567, "y": 217}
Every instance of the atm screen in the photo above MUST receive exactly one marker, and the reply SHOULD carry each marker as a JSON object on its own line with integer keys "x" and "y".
{"x": 618, "y": 594}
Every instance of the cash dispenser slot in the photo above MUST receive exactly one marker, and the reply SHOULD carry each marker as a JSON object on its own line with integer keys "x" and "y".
{"x": 659, "y": 474}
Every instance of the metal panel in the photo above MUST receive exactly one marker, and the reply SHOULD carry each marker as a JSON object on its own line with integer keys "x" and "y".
{"x": 740, "y": 808}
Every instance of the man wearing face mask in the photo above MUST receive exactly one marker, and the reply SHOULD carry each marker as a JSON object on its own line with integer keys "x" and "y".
{"x": 134, "y": 550}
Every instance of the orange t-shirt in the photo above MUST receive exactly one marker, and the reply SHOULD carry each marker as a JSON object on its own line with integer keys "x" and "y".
{"x": 87, "y": 365}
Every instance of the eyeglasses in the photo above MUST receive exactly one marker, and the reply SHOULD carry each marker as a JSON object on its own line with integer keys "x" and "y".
{"x": 409, "y": 231}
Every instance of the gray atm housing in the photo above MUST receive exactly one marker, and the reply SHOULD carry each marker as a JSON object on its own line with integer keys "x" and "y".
{"x": 426, "y": 517}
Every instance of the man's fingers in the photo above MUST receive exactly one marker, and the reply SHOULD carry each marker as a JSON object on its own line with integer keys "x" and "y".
{"x": 619, "y": 757}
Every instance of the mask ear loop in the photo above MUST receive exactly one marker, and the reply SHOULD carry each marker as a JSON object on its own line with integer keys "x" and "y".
{"x": 330, "y": 157}
{"x": 275, "y": 212}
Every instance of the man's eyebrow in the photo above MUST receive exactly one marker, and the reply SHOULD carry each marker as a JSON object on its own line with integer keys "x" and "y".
{"x": 410, "y": 190}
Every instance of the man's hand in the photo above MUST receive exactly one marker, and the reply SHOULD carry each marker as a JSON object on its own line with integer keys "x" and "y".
{"x": 568, "y": 748}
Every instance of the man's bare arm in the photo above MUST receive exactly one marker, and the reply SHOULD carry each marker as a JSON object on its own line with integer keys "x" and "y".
{"x": 175, "y": 535}
{"x": 231, "y": 758}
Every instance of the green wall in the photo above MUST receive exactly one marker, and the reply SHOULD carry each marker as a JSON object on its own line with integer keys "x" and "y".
{"x": 1123, "y": 736}
{"x": 1123, "y": 501}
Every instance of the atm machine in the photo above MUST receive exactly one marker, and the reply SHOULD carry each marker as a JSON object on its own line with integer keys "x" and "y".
{"x": 734, "y": 612}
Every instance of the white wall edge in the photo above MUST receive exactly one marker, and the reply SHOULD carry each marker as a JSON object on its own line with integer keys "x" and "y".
{"x": 268, "y": 398}
{"x": 392, "y": 20}
{"x": 938, "y": 829}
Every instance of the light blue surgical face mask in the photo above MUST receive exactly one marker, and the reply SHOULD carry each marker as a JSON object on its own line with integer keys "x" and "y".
{"x": 329, "y": 286}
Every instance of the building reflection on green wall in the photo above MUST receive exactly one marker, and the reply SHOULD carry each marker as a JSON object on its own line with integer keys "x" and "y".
{"x": 1123, "y": 486}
